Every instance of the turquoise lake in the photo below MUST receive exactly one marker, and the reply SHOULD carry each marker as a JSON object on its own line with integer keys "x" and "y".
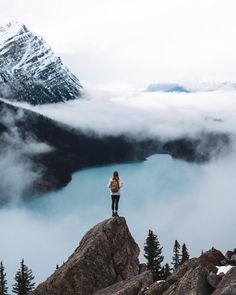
{"x": 158, "y": 178}
{"x": 172, "y": 197}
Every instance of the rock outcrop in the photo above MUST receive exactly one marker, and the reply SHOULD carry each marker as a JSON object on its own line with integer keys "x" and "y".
{"x": 106, "y": 263}
{"x": 106, "y": 255}
{"x": 198, "y": 276}
{"x": 30, "y": 71}
{"x": 231, "y": 257}
{"x": 227, "y": 286}
{"x": 136, "y": 285}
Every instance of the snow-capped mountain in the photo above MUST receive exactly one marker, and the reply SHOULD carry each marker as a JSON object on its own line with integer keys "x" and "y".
{"x": 30, "y": 71}
{"x": 198, "y": 87}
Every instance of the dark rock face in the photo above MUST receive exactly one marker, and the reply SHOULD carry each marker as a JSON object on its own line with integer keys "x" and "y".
{"x": 30, "y": 71}
{"x": 213, "y": 279}
{"x": 136, "y": 285}
{"x": 196, "y": 277}
{"x": 157, "y": 288}
{"x": 193, "y": 282}
{"x": 231, "y": 257}
{"x": 228, "y": 284}
{"x": 213, "y": 257}
{"x": 106, "y": 255}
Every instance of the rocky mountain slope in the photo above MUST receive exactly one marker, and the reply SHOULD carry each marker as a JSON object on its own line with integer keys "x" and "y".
{"x": 30, "y": 71}
{"x": 106, "y": 255}
{"x": 106, "y": 263}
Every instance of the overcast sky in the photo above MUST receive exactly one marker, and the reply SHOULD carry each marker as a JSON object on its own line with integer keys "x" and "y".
{"x": 136, "y": 41}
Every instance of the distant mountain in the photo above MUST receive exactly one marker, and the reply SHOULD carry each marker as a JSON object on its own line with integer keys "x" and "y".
{"x": 30, "y": 71}
{"x": 200, "y": 87}
{"x": 166, "y": 87}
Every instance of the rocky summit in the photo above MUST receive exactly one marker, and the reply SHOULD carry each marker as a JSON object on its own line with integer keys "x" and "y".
{"x": 30, "y": 71}
{"x": 106, "y": 263}
{"x": 106, "y": 255}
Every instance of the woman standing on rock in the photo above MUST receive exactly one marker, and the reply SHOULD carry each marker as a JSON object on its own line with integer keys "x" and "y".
{"x": 114, "y": 185}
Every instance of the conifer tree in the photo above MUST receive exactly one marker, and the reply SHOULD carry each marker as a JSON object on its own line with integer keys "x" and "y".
{"x": 176, "y": 256}
{"x": 185, "y": 254}
{"x": 153, "y": 255}
{"x": 167, "y": 271}
{"x": 3, "y": 280}
{"x": 24, "y": 280}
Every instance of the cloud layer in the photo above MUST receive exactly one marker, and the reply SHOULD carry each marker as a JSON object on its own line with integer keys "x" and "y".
{"x": 144, "y": 114}
{"x": 18, "y": 171}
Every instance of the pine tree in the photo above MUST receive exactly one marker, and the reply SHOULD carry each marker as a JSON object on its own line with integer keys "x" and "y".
{"x": 3, "y": 281}
{"x": 185, "y": 254}
{"x": 153, "y": 255}
{"x": 24, "y": 280}
{"x": 167, "y": 270}
{"x": 176, "y": 256}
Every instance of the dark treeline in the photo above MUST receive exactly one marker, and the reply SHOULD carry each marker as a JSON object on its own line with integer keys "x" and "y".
{"x": 154, "y": 257}
{"x": 24, "y": 280}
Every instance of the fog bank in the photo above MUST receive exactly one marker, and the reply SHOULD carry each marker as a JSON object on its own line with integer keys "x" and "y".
{"x": 146, "y": 114}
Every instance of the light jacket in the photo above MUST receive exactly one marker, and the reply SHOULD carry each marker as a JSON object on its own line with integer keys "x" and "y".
{"x": 120, "y": 185}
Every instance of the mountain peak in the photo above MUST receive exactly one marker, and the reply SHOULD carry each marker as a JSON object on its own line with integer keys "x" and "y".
{"x": 106, "y": 255}
{"x": 10, "y": 30}
{"x": 30, "y": 71}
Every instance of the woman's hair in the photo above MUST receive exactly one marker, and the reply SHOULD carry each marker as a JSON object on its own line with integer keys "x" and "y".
{"x": 115, "y": 174}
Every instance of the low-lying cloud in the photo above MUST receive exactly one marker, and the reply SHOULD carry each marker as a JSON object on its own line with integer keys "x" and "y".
{"x": 201, "y": 215}
{"x": 18, "y": 170}
{"x": 144, "y": 114}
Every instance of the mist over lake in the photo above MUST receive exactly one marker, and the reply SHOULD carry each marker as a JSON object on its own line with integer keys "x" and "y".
{"x": 172, "y": 197}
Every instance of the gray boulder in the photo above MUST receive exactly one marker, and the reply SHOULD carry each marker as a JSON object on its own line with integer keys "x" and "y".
{"x": 196, "y": 276}
{"x": 134, "y": 286}
{"x": 213, "y": 279}
{"x": 227, "y": 286}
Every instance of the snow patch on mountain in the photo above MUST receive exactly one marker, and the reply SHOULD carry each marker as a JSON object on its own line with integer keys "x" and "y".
{"x": 197, "y": 87}
{"x": 30, "y": 71}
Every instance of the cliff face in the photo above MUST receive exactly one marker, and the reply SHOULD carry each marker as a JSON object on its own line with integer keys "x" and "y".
{"x": 30, "y": 71}
{"x": 106, "y": 255}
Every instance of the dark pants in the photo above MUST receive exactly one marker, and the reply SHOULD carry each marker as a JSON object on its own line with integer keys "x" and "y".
{"x": 115, "y": 202}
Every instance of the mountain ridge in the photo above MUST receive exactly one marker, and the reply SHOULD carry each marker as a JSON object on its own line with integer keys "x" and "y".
{"x": 30, "y": 71}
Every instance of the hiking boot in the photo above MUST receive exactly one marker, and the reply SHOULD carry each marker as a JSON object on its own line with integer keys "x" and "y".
{"x": 113, "y": 214}
{"x": 116, "y": 214}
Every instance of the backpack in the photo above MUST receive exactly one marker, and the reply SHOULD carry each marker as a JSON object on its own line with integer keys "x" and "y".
{"x": 114, "y": 185}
